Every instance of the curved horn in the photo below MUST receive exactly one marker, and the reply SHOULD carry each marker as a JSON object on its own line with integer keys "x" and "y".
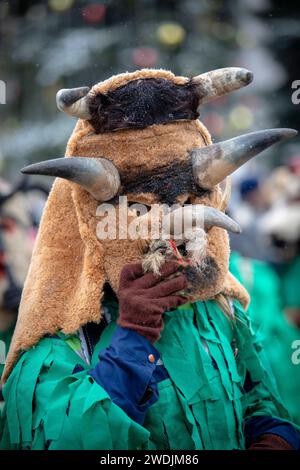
{"x": 212, "y": 164}
{"x": 73, "y": 102}
{"x": 214, "y": 217}
{"x": 219, "y": 82}
{"x": 98, "y": 176}
{"x": 186, "y": 217}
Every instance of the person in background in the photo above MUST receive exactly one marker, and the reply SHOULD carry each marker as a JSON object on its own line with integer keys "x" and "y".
{"x": 18, "y": 220}
{"x": 278, "y": 318}
{"x": 248, "y": 206}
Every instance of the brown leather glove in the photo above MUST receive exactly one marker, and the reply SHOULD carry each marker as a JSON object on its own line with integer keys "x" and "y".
{"x": 143, "y": 298}
{"x": 271, "y": 442}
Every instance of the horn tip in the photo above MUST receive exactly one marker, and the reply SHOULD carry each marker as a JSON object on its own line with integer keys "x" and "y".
{"x": 30, "y": 169}
{"x": 238, "y": 229}
{"x": 66, "y": 97}
{"x": 40, "y": 168}
{"x": 25, "y": 170}
{"x": 290, "y": 133}
{"x": 246, "y": 76}
{"x": 284, "y": 133}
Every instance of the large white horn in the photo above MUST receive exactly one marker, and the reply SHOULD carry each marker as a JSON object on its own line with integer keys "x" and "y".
{"x": 212, "y": 164}
{"x": 186, "y": 217}
{"x": 98, "y": 176}
{"x": 73, "y": 102}
{"x": 219, "y": 82}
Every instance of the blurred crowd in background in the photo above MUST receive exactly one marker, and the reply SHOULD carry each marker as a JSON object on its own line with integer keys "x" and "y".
{"x": 53, "y": 44}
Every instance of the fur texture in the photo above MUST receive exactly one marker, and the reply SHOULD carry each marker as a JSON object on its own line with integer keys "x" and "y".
{"x": 142, "y": 103}
{"x": 117, "y": 81}
{"x": 166, "y": 183}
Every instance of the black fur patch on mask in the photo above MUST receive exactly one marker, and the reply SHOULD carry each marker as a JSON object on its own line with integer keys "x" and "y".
{"x": 167, "y": 183}
{"x": 202, "y": 279}
{"x": 142, "y": 103}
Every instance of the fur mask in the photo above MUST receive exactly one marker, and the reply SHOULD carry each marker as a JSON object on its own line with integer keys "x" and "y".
{"x": 139, "y": 136}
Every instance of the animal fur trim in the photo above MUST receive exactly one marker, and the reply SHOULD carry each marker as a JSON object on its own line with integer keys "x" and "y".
{"x": 119, "y": 80}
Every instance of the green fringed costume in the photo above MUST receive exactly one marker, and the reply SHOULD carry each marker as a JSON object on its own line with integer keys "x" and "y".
{"x": 277, "y": 334}
{"x": 203, "y": 405}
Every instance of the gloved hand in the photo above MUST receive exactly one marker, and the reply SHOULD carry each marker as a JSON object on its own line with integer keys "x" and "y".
{"x": 271, "y": 442}
{"x": 143, "y": 298}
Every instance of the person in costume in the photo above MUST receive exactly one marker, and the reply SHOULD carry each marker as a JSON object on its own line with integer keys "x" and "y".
{"x": 276, "y": 332}
{"x": 277, "y": 320}
{"x": 141, "y": 344}
{"x": 282, "y": 226}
